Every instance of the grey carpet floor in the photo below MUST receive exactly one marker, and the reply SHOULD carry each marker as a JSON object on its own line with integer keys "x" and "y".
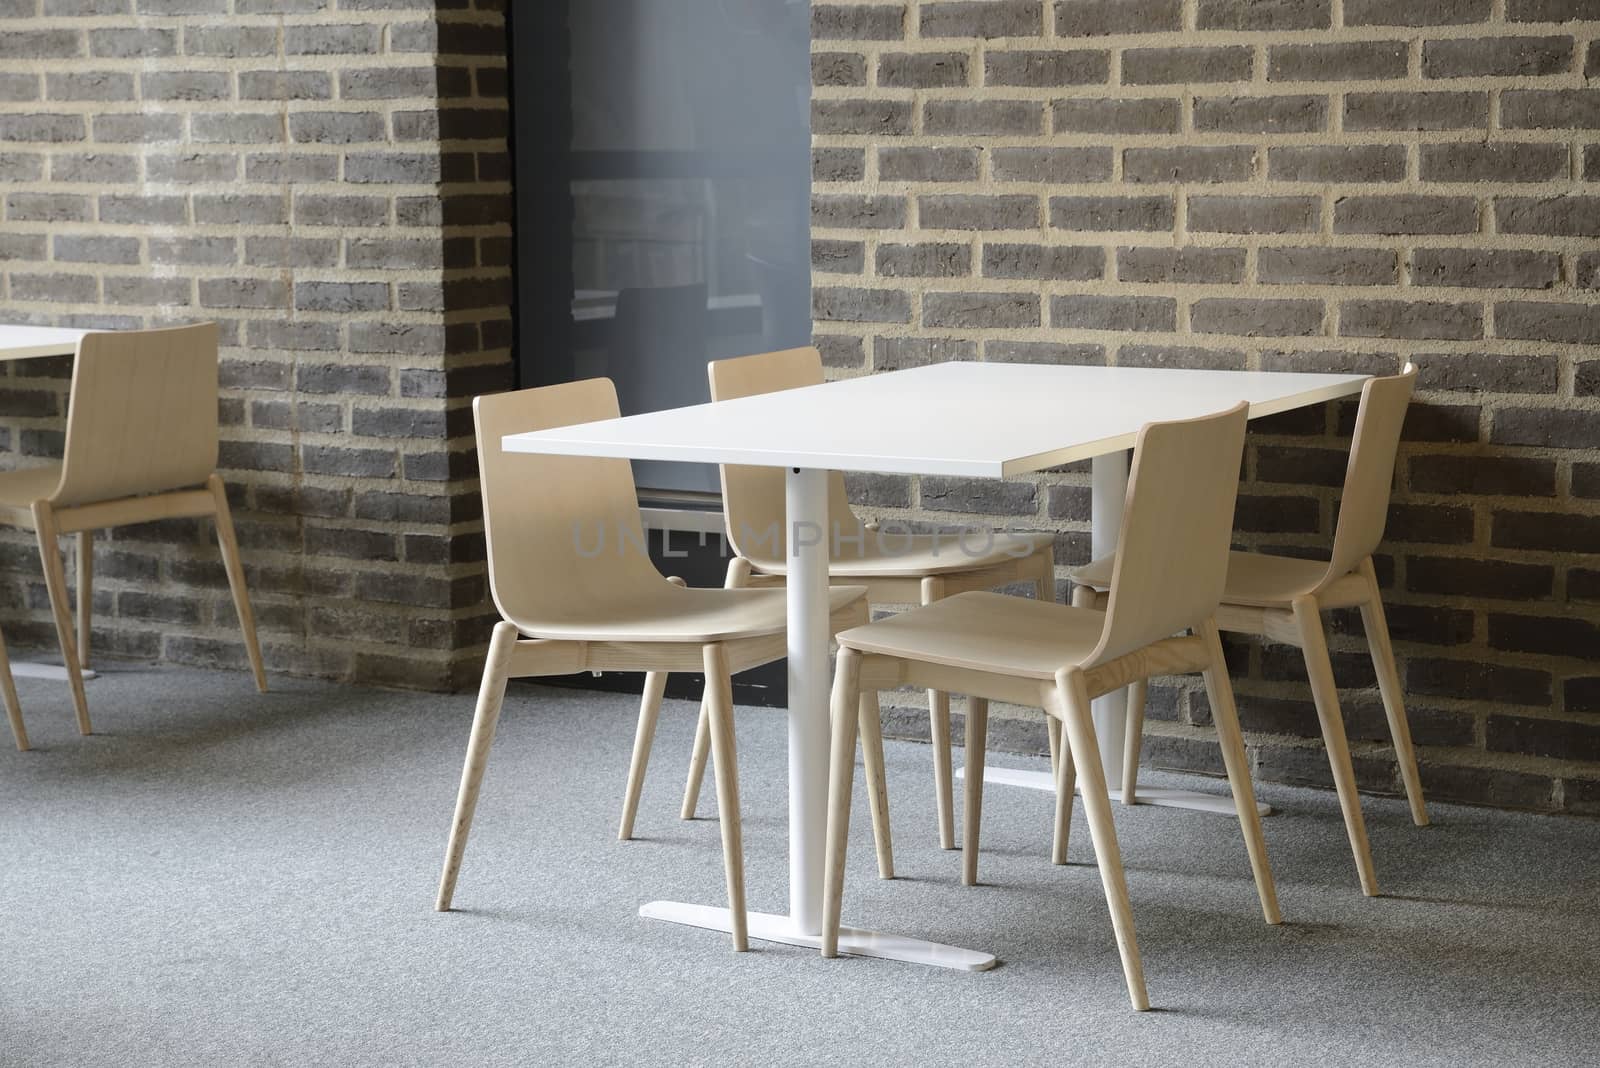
{"x": 224, "y": 878}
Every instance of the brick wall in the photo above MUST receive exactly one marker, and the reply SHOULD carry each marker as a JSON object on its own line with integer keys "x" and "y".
{"x": 327, "y": 179}
{"x": 1272, "y": 184}
{"x": 1300, "y": 184}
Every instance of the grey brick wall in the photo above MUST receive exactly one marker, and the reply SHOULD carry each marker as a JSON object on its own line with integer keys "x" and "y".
{"x": 328, "y": 180}
{"x": 1275, "y": 184}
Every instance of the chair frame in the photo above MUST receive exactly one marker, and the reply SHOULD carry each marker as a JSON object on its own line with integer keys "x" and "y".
{"x": 1126, "y": 653}
{"x": 1351, "y": 581}
{"x": 513, "y": 656}
{"x": 164, "y": 487}
{"x": 8, "y": 689}
{"x": 529, "y": 593}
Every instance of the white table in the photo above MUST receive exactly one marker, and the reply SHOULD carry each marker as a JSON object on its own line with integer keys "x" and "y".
{"x": 975, "y": 420}
{"x": 25, "y": 343}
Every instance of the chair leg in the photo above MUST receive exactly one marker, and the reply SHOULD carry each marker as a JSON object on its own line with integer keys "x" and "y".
{"x": 1132, "y": 740}
{"x": 719, "y": 691}
{"x": 13, "y": 706}
{"x": 697, "y": 761}
{"x": 235, "y": 568}
{"x": 55, "y": 581}
{"x": 877, "y": 788}
{"x": 943, "y": 767}
{"x": 841, "y": 776}
{"x": 85, "y": 593}
{"x": 972, "y": 813}
{"x": 1226, "y": 716}
{"x": 737, "y": 577}
{"x": 1044, "y": 584}
{"x": 1052, "y": 730}
{"x": 1313, "y": 642}
{"x": 1074, "y": 696}
{"x": 933, "y": 589}
{"x": 1066, "y": 774}
{"x": 1088, "y": 597}
{"x": 655, "y": 684}
{"x": 1377, "y": 627}
{"x": 491, "y": 696}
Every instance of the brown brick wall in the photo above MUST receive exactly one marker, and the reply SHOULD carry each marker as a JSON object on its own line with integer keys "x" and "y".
{"x": 327, "y": 179}
{"x": 1272, "y": 184}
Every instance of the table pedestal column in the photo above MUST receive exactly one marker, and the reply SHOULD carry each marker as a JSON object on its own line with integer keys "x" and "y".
{"x": 808, "y": 543}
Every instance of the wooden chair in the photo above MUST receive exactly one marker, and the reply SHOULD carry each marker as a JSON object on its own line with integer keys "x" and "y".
{"x": 1283, "y": 599}
{"x": 901, "y": 569}
{"x": 8, "y": 687}
{"x": 141, "y": 445}
{"x": 577, "y": 592}
{"x": 991, "y": 647}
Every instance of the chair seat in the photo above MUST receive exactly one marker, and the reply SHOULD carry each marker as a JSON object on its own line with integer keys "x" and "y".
{"x": 990, "y": 632}
{"x": 19, "y": 489}
{"x": 1254, "y": 579}
{"x": 674, "y": 613}
{"x": 891, "y": 554}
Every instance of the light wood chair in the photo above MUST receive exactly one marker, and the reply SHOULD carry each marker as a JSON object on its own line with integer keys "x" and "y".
{"x": 577, "y": 592}
{"x": 13, "y": 707}
{"x": 992, "y": 647}
{"x": 141, "y": 445}
{"x": 1283, "y": 598}
{"x": 904, "y": 568}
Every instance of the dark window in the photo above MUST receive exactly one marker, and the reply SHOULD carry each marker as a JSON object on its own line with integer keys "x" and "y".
{"x": 662, "y": 184}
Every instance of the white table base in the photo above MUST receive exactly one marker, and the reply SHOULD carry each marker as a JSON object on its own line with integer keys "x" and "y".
{"x": 32, "y": 669}
{"x": 773, "y": 928}
{"x": 806, "y": 500}
{"x": 1221, "y": 804}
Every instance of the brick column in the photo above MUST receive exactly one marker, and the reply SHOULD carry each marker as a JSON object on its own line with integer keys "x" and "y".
{"x": 329, "y": 182}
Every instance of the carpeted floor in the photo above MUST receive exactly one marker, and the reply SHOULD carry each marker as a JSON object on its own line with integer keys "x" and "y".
{"x": 222, "y": 878}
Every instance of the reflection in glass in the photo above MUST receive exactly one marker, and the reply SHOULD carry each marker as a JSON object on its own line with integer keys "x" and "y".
{"x": 690, "y": 188}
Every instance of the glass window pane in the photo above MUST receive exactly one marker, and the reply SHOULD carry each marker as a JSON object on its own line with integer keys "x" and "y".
{"x": 690, "y": 195}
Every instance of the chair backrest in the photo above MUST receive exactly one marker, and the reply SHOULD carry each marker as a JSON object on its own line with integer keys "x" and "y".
{"x": 753, "y": 497}
{"x": 1364, "y": 507}
{"x": 142, "y": 417}
{"x": 563, "y": 532}
{"x": 1172, "y": 552}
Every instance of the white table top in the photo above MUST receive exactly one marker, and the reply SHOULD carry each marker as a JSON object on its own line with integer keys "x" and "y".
{"x": 23, "y": 342}
{"x": 985, "y": 420}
